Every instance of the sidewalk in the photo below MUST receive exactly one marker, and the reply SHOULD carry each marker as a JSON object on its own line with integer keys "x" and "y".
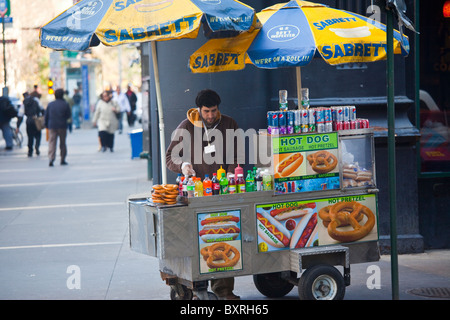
{"x": 52, "y": 219}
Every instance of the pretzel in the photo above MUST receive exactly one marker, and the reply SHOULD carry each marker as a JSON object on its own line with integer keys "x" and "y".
{"x": 220, "y": 251}
{"x": 165, "y": 194}
{"x": 324, "y": 214}
{"x": 322, "y": 161}
{"x": 343, "y": 213}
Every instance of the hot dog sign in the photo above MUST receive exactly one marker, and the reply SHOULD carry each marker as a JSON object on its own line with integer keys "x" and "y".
{"x": 219, "y": 236}
{"x": 307, "y": 162}
{"x": 301, "y": 224}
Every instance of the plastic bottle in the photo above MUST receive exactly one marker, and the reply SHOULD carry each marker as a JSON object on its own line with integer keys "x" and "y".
{"x": 185, "y": 182}
{"x": 207, "y": 186}
{"x": 267, "y": 180}
{"x": 180, "y": 186}
{"x": 215, "y": 184}
{"x": 232, "y": 184}
{"x": 259, "y": 180}
{"x": 178, "y": 178}
{"x": 249, "y": 182}
{"x": 190, "y": 188}
{"x": 220, "y": 171}
{"x": 238, "y": 170}
{"x": 198, "y": 187}
{"x": 240, "y": 183}
{"x": 223, "y": 184}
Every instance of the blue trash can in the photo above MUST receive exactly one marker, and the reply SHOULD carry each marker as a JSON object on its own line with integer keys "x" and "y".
{"x": 136, "y": 142}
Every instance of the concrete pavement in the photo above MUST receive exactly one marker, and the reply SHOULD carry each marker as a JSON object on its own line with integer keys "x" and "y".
{"x": 64, "y": 233}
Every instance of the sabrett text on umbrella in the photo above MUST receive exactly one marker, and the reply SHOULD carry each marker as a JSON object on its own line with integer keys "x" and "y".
{"x": 219, "y": 59}
{"x": 175, "y": 26}
{"x": 328, "y": 22}
{"x": 353, "y": 50}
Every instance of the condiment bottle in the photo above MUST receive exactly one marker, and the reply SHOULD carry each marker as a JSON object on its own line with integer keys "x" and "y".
{"x": 231, "y": 184}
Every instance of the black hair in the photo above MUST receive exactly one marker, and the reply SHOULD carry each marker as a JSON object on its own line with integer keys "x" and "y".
{"x": 207, "y": 98}
{"x": 59, "y": 93}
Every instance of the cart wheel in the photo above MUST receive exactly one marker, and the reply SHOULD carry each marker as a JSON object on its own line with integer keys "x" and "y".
{"x": 321, "y": 282}
{"x": 185, "y": 294}
{"x": 272, "y": 285}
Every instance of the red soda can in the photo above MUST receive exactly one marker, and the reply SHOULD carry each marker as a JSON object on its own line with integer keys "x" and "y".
{"x": 338, "y": 125}
{"x": 364, "y": 123}
{"x": 345, "y": 125}
{"x": 354, "y": 124}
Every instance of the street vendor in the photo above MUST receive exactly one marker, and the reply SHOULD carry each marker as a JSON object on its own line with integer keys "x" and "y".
{"x": 205, "y": 154}
{"x": 207, "y": 150}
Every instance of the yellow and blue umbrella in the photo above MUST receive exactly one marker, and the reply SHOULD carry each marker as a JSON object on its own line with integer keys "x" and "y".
{"x": 116, "y": 22}
{"x": 295, "y": 32}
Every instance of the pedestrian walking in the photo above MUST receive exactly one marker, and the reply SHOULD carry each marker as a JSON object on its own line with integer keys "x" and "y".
{"x": 30, "y": 108}
{"x": 69, "y": 100}
{"x": 124, "y": 105}
{"x": 57, "y": 115}
{"x": 132, "y": 99}
{"x": 7, "y": 112}
{"x": 106, "y": 120}
{"x": 76, "y": 109}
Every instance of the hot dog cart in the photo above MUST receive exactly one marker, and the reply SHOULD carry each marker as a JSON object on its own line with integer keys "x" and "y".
{"x": 175, "y": 233}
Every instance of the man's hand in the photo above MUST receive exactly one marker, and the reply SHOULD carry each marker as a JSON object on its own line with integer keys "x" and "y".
{"x": 186, "y": 169}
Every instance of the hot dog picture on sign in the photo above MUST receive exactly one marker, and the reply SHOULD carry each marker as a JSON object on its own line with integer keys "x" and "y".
{"x": 307, "y": 162}
{"x": 302, "y": 224}
{"x": 220, "y": 241}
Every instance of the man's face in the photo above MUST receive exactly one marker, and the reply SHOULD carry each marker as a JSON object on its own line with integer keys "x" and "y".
{"x": 209, "y": 114}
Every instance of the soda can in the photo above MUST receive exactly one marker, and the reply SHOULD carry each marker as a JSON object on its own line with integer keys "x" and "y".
{"x": 274, "y": 122}
{"x": 338, "y": 125}
{"x": 346, "y": 125}
{"x": 320, "y": 117}
{"x": 354, "y": 124}
{"x": 328, "y": 126}
{"x": 290, "y": 118}
{"x": 297, "y": 121}
{"x": 364, "y": 123}
{"x": 269, "y": 119}
{"x": 312, "y": 115}
{"x": 346, "y": 114}
{"x": 327, "y": 115}
{"x": 304, "y": 116}
{"x": 320, "y": 127}
{"x": 305, "y": 127}
{"x": 339, "y": 114}
{"x": 282, "y": 119}
{"x": 352, "y": 113}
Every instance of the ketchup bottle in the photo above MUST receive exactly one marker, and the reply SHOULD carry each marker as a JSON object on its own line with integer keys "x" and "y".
{"x": 215, "y": 184}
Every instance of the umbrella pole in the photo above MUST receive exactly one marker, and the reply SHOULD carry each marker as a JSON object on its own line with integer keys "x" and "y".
{"x": 298, "y": 74}
{"x": 391, "y": 153}
{"x": 162, "y": 138}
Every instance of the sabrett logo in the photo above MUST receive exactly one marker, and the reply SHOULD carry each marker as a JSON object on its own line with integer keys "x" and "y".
{"x": 121, "y": 5}
{"x": 352, "y": 50}
{"x": 168, "y": 28}
{"x": 321, "y": 25}
{"x": 219, "y": 59}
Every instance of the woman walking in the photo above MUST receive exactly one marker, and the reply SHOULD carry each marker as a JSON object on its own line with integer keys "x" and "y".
{"x": 105, "y": 118}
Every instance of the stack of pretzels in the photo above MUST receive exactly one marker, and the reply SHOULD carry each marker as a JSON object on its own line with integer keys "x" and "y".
{"x": 165, "y": 193}
{"x": 344, "y": 214}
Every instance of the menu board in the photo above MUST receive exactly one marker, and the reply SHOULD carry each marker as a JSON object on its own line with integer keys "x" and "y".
{"x": 301, "y": 224}
{"x": 306, "y": 162}
{"x": 219, "y": 238}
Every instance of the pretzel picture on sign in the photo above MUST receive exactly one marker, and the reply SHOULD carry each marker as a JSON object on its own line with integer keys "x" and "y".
{"x": 322, "y": 161}
{"x": 344, "y": 221}
{"x": 220, "y": 255}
